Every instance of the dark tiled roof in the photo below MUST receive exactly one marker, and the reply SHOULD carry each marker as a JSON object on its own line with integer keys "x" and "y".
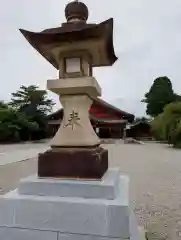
{"x": 108, "y": 121}
{"x": 126, "y": 114}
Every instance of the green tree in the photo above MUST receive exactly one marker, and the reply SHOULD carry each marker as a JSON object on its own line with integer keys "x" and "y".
{"x": 167, "y": 126}
{"x": 30, "y": 100}
{"x": 35, "y": 105}
{"x": 142, "y": 119}
{"x": 14, "y": 126}
{"x": 159, "y": 95}
{"x": 3, "y": 105}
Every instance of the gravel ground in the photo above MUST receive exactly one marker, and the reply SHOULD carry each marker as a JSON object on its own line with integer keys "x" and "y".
{"x": 155, "y": 184}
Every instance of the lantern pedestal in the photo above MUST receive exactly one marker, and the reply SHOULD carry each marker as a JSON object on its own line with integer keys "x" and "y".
{"x": 75, "y": 149}
{"x": 75, "y": 96}
{"x": 73, "y": 163}
{"x": 51, "y": 209}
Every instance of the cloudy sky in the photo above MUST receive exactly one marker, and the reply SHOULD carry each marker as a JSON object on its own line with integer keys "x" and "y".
{"x": 147, "y": 39}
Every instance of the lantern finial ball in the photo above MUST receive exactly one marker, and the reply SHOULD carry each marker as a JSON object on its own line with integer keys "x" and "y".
{"x": 76, "y": 11}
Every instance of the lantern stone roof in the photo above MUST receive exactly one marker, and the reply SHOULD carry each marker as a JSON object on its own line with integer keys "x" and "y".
{"x": 74, "y": 30}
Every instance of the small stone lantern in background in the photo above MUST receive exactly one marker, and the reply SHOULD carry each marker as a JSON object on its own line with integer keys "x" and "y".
{"x": 74, "y": 49}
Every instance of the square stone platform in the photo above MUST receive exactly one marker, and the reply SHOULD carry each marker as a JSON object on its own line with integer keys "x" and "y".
{"x": 51, "y": 209}
{"x": 107, "y": 188}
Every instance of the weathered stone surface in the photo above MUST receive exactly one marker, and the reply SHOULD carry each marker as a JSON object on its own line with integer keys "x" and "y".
{"x": 81, "y": 85}
{"x": 106, "y": 188}
{"x": 76, "y": 129}
{"x": 84, "y": 237}
{"x": 6, "y": 211}
{"x": 74, "y": 163}
{"x": 100, "y": 217}
{"x": 26, "y": 234}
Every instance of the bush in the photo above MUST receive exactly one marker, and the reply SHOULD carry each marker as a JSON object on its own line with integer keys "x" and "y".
{"x": 167, "y": 126}
{"x": 15, "y": 126}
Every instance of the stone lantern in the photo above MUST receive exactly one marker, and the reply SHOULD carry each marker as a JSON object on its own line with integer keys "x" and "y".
{"x": 75, "y": 196}
{"x": 74, "y": 49}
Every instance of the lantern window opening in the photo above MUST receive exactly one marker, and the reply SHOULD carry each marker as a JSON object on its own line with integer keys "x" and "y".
{"x": 73, "y": 65}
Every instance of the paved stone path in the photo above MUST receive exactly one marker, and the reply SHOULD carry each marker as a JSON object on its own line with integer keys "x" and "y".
{"x": 19, "y": 152}
{"x": 155, "y": 184}
{"x": 10, "y": 174}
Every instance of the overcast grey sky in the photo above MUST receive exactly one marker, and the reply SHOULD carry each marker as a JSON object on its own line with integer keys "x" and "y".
{"x": 147, "y": 39}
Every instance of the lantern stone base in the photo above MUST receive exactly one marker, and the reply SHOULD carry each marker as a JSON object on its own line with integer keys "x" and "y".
{"x": 82, "y": 163}
{"x": 26, "y": 214}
